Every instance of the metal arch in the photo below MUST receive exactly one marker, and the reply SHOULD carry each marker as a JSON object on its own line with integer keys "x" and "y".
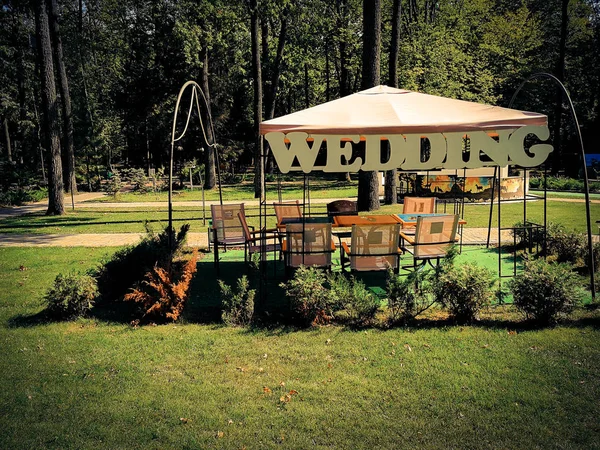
{"x": 194, "y": 99}
{"x": 585, "y": 175}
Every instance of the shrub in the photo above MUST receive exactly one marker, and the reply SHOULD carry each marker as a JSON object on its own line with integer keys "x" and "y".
{"x": 527, "y": 234}
{"x": 310, "y": 299}
{"x": 114, "y": 184}
{"x": 566, "y": 246}
{"x": 359, "y": 304}
{"x": 407, "y": 296}
{"x": 128, "y": 266}
{"x": 71, "y": 296}
{"x": 463, "y": 290}
{"x": 545, "y": 291}
{"x": 138, "y": 180}
{"x": 165, "y": 289}
{"x": 238, "y": 307}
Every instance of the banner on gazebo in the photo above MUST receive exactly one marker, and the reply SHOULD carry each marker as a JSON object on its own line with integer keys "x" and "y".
{"x": 449, "y": 150}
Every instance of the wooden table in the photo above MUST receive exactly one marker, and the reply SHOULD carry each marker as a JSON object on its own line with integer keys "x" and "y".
{"x": 410, "y": 220}
{"x": 380, "y": 219}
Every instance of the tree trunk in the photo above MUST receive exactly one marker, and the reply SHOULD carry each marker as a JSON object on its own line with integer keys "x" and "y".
{"x": 67, "y": 117}
{"x": 49, "y": 110}
{"x": 368, "y": 182}
{"x": 271, "y": 92}
{"x": 557, "y": 154}
{"x": 256, "y": 73}
{"x": 210, "y": 174}
{"x": 342, "y": 10}
{"x": 7, "y": 136}
{"x": 391, "y": 184}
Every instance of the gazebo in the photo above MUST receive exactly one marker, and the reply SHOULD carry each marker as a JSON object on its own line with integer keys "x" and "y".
{"x": 346, "y": 135}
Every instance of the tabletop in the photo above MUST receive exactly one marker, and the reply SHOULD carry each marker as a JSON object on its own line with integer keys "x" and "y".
{"x": 411, "y": 219}
{"x": 379, "y": 219}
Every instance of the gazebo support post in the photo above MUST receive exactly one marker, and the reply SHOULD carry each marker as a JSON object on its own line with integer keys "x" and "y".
{"x": 585, "y": 175}
{"x": 491, "y": 206}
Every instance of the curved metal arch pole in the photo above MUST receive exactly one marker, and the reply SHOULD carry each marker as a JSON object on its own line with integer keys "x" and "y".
{"x": 195, "y": 88}
{"x": 585, "y": 175}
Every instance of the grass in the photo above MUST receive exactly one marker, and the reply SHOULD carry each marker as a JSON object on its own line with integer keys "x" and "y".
{"x": 564, "y": 194}
{"x": 99, "y": 383}
{"x": 101, "y": 220}
{"x": 290, "y": 190}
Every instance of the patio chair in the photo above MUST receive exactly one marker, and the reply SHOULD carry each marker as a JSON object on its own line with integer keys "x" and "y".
{"x": 287, "y": 210}
{"x": 227, "y": 229}
{"x": 416, "y": 205}
{"x": 307, "y": 244}
{"x": 432, "y": 239}
{"x": 372, "y": 248}
{"x": 342, "y": 208}
{"x": 253, "y": 240}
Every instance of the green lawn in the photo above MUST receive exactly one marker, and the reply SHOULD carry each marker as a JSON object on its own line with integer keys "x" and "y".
{"x": 290, "y": 190}
{"x": 86, "y": 220}
{"x": 564, "y": 194}
{"x": 99, "y": 383}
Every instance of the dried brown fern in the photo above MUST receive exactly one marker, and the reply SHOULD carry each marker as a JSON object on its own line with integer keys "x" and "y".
{"x": 163, "y": 292}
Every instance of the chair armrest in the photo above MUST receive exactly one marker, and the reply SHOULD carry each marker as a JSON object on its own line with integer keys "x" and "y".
{"x": 408, "y": 238}
{"x": 346, "y": 248}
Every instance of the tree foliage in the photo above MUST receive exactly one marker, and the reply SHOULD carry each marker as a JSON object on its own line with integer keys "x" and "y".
{"x": 126, "y": 60}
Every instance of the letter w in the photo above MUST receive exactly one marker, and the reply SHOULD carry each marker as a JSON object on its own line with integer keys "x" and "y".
{"x": 299, "y": 148}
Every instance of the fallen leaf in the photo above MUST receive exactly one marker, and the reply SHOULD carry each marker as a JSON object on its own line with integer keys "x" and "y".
{"x": 293, "y": 392}
{"x": 22, "y": 268}
{"x": 426, "y": 345}
{"x": 408, "y": 347}
{"x": 229, "y": 422}
{"x": 261, "y": 370}
{"x": 282, "y": 384}
{"x": 184, "y": 419}
{"x": 328, "y": 341}
{"x": 267, "y": 390}
{"x": 512, "y": 332}
{"x": 220, "y": 434}
{"x": 241, "y": 369}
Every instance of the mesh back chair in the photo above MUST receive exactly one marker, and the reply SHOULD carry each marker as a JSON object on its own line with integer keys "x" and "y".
{"x": 416, "y": 205}
{"x": 342, "y": 208}
{"x": 227, "y": 229}
{"x": 307, "y": 244}
{"x": 432, "y": 239}
{"x": 253, "y": 242}
{"x": 287, "y": 210}
{"x": 372, "y": 247}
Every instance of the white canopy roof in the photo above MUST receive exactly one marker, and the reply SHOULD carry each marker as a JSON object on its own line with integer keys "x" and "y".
{"x": 384, "y": 110}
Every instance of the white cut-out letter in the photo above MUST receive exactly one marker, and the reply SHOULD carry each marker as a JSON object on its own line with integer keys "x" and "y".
{"x": 299, "y": 148}
{"x": 335, "y": 151}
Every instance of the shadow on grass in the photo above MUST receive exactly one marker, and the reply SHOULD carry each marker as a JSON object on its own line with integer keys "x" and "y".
{"x": 30, "y": 320}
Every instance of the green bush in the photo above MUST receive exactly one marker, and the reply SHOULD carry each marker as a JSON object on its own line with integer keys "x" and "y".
{"x": 407, "y": 296}
{"x": 528, "y": 234}
{"x": 545, "y": 291}
{"x": 310, "y": 299}
{"x": 71, "y": 296}
{"x": 566, "y": 246}
{"x": 16, "y": 196}
{"x": 358, "y": 303}
{"x": 138, "y": 179}
{"x": 114, "y": 184}
{"x": 562, "y": 184}
{"x": 463, "y": 290}
{"x": 129, "y": 265}
{"x": 238, "y": 307}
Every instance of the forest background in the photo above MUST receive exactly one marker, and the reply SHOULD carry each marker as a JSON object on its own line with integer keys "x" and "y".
{"x": 124, "y": 62}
